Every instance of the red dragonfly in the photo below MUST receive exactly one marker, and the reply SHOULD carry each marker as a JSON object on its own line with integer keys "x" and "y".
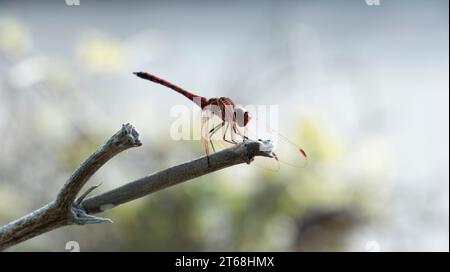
{"x": 231, "y": 115}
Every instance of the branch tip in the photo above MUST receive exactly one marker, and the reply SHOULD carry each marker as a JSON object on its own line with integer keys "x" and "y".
{"x": 80, "y": 217}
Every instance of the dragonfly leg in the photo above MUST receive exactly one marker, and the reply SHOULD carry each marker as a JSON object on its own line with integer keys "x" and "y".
{"x": 212, "y": 145}
{"x": 225, "y": 135}
{"x": 214, "y": 129}
{"x": 276, "y": 158}
{"x": 211, "y": 133}
{"x": 238, "y": 133}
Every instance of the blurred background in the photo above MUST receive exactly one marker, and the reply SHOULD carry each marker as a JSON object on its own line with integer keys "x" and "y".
{"x": 363, "y": 88}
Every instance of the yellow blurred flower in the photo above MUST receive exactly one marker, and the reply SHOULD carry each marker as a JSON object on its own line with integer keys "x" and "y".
{"x": 319, "y": 141}
{"x": 14, "y": 37}
{"x": 100, "y": 53}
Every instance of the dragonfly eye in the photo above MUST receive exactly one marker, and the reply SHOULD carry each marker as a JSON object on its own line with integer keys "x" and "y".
{"x": 241, "y": 116}
{"x": 247, "y": 118}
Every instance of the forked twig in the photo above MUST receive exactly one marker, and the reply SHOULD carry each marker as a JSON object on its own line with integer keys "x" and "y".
{"x": 66, "y": 209}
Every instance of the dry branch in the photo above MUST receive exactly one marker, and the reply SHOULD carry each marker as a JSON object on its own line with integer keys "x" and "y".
{"x": 66, "y": 209}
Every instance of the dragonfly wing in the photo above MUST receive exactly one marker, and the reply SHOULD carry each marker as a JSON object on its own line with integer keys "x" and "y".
{"x": 285, "y": 151}
{"x": 211, "y": 132}
{"x": 204, "y": 136}
{"x": 289, "y": 153}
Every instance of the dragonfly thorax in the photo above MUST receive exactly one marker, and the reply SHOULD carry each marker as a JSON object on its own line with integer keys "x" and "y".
{"x": 228, "y": 111}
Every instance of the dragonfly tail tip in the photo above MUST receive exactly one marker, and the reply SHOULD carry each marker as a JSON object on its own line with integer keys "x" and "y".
{"x": 139, "y": 74}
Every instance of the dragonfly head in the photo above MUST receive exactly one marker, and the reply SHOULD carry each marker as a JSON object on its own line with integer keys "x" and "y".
{"x": 241, "y": 116}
